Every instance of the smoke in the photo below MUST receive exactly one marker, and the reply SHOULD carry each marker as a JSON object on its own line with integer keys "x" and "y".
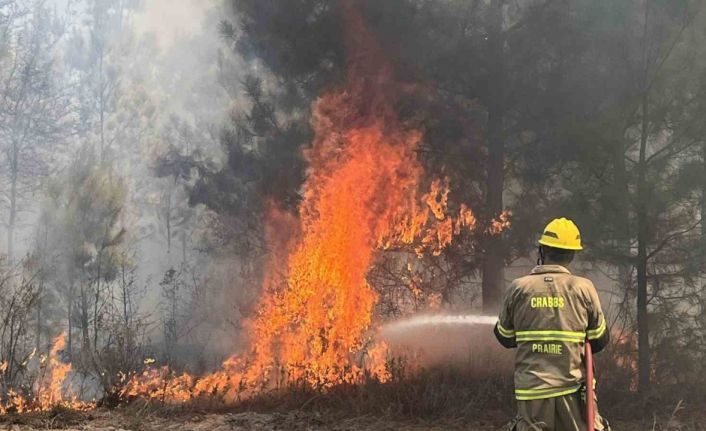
{"x": 171, "y": 20}
{"x": 164, "y": 60}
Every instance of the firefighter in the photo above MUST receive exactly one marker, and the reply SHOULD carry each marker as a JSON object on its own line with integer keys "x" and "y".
{"x": 548, "y": 315}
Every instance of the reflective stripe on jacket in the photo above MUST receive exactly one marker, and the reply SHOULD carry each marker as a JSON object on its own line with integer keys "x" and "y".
{"x": 548, "y": 315}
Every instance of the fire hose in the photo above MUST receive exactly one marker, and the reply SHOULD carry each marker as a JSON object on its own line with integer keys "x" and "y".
{"x": 590, "y": 407}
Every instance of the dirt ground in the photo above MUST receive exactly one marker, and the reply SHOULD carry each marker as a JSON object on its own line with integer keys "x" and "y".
{"x": 115, "y": 421}
{"x": 104, "y": 420}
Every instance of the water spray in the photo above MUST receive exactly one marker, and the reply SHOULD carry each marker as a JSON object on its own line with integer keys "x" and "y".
{"x": 437, "y": 320}
{"x": 459, "y": 340}
{"x": 420, "y": 334}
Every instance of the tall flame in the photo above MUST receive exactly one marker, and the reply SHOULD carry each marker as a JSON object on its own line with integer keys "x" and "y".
{"x": 362, "y": 194}
{"x": 50, "y": 392}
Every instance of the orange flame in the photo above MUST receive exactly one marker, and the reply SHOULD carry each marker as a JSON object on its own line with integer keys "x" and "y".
{"x": 430, "y": 225}
{"x": 48, "y": 389}
{"x": 51, "y": 393}
{"x": 361, "y": 195}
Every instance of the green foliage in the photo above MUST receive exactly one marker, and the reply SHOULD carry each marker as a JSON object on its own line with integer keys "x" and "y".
{"x": 86, "y": 241}
{"x": 91, "y": 201}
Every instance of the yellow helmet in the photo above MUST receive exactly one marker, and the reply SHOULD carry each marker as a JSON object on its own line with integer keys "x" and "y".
{"x": 562, "y": 233}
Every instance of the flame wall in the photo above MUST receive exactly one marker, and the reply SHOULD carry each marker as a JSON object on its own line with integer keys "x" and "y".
{"x": 362, "y": 182}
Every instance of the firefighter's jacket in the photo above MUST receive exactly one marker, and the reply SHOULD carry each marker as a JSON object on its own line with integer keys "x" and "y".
{"x": 548, "y": 315}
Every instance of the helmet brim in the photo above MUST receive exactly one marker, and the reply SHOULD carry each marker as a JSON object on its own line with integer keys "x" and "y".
{"x": 560, "y": 246}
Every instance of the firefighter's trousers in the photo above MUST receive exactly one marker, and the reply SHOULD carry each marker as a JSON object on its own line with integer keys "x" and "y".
{"x": 566, "y": 413}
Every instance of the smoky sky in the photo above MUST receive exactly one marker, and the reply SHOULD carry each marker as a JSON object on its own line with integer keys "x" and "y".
{"x": 169, "y": 20}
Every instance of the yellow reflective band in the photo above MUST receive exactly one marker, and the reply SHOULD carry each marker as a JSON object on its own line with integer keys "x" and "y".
{"x": 597, "y": 333}
{"x": 552, "y": 339}
{"x": 551, "y": 336}
{"x": 553, "y": 332}
{"x": 538, "y": 394}
{"x": 523, "y": 338}
{"x": 507, "y": 333}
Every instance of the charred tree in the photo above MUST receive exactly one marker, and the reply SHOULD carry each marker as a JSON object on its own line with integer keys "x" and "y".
{"x": 493, "y": 255}
{"x": 643, "y": 328}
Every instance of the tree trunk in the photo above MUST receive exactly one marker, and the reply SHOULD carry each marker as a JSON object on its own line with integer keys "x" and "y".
{"x": 125, "y": 298}
{"x": 11, "y": 346}
{"x": 642, "y": 239}
{"x": 703, "y": 203}
{"x": 13, "y": 205}
{"x": 168, "y": 215}
{"x": 97, "y": 300}
{"x": 183, "y": 247}
{"x": 69, "y": 310}
{"x": 101, "y": 106}
{"x": 493, "y": 257}
{"x": 622, "y": 220}
{"x": 84, "y": 320}
{"x": 40, "y": 292}
{"x": 643, "y": 329}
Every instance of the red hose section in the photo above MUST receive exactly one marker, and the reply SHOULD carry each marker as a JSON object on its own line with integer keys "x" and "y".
{"x": 590, "y": 407}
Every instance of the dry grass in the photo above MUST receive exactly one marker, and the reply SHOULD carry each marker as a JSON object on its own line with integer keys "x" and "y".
{"x": 58, "y": 418}
{"x": 429, "y": 395}
{"x": 474, "y": 396}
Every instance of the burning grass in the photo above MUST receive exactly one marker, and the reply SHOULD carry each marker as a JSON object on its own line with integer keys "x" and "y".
{"x": 472, "y": 394}
{"x": 48, "y": 392}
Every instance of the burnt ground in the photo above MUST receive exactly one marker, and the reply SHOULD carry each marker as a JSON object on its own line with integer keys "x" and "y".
{"x": 295, "y": 421}
{"x": 135, "y": 420}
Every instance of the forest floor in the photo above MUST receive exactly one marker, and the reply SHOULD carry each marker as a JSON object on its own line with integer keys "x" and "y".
{"x": 117, "y": 420}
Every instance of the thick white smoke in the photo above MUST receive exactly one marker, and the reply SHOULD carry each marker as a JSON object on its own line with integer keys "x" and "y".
{"x": 170, "y": 20}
